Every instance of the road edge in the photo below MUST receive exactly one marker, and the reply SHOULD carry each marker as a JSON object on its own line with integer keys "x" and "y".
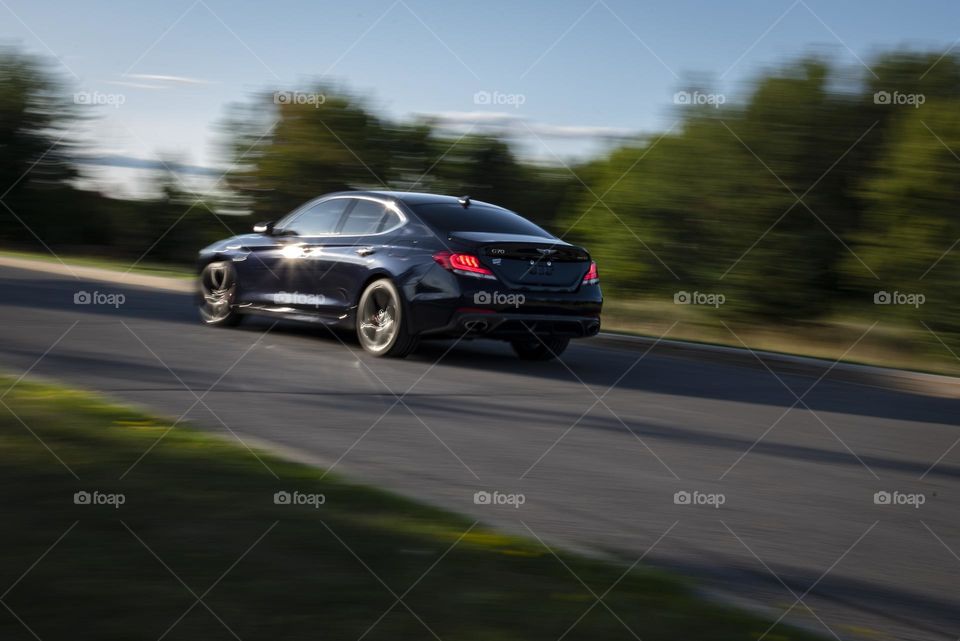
{"x": 100, "y": 274}
{"x": 870, "y": 375}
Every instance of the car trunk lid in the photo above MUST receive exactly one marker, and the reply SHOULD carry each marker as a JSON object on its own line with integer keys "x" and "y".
{"x": 529, "y": 261}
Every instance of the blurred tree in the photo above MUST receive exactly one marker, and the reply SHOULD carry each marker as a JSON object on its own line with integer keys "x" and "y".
{"x": 285, "y": 154}
{"x": 288, "y": 153}
{"x": 670, "y": 213}
{"x": 911, "y": 231}
{"x": 35, "y": 146}
{"x": 173, "y": 224}
{"x": 814, "y": 141}
{"x": 712, "y": 205}
{"x": 480, "y": 166}
{"x": 715, "y": 205}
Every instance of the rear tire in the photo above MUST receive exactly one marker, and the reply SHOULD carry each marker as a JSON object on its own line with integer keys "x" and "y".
{"x": 218, "y": 292}
{"x": 382, "y": 327}
{"x": 543, "y": 348}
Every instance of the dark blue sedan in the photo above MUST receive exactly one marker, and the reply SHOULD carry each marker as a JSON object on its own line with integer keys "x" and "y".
{"x": 400, "y": 267}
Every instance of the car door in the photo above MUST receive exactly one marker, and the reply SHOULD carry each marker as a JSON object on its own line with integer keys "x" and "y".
{"x": 304, "y": 262}
{"x": 362, "y": 243}
{"x": 257, "y": 262}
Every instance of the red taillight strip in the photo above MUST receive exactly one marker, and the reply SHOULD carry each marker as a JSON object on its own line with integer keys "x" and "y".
{"x": 465, "y": 264}
{"x": 592, "y": 276}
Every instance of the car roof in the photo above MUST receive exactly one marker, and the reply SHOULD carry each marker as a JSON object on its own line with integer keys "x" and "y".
{"x": 411, "y": 198}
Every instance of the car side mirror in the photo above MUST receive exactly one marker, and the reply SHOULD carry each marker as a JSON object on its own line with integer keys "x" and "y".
{"x": 264, "y": 227}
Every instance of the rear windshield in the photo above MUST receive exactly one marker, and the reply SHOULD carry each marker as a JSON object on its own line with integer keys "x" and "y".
{"x": 450, "y": 217}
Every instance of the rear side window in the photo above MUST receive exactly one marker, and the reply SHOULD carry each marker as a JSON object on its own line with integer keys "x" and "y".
{"x": 319, "y": 220}
{"x": 369, "y": 217}
{"x": 450, "y": 217}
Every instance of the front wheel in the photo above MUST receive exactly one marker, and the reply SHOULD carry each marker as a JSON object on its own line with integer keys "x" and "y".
{"x": 382, "y": 328}
{"x": 540, "y": 349}
{"x": 218, "y": 291}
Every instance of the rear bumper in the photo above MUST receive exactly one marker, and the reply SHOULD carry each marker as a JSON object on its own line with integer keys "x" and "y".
{"x": 515, "y": 326}
{"x": 440, "y": 303}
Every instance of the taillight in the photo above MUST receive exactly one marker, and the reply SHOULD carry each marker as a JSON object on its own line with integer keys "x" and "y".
{"x": 592, "y": 277}
{"x": 465, "y": 264}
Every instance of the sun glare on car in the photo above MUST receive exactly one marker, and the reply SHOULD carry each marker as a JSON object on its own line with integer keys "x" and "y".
{"x": 292, "y": 251}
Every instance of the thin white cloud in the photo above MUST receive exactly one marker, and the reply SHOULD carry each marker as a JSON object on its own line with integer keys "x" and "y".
{"x": 514, "y": 125}
{"x": 581, "y": 131}
{"x": 499, "y": 118}
{"x": 180, "y": 80}
{"x": 134, "y": 85}
{"x": 175, "y": 80}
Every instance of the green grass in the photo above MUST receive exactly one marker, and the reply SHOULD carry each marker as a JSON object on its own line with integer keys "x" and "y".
{"x": 200, "y": 503}
{"x": 893, "y": 342}
{"x": 114, "y": 264}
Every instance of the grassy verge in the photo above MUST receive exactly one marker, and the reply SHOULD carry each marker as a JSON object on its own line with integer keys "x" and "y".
{"x": 115, "y": 264}
{"x": 891, "y": 343}
{"x": 206, "y": 509}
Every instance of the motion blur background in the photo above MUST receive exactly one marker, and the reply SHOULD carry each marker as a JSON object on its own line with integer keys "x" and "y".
{"x": 776, "y": 173}
{"x": 797, "y": 162}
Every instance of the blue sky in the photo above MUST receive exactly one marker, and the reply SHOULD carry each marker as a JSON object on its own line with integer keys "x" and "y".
{"x": 581, "y": 67}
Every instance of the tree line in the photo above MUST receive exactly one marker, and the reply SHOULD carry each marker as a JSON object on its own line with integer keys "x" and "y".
{"x": 813, "y": 193}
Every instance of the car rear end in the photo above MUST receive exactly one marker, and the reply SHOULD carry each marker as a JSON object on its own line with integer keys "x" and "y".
{"x": 511, "y": 279}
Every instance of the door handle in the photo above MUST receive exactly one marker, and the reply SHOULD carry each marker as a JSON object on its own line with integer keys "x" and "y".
{"x": 365, "y": 251}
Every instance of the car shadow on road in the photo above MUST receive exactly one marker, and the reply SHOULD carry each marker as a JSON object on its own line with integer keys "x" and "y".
{"x": 601, "y": 368}
{"x": 598, "y": 368}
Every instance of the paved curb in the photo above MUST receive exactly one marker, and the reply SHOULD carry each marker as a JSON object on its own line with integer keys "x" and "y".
{"x": 917, "y": 382}
{"x": 134, "y": 279}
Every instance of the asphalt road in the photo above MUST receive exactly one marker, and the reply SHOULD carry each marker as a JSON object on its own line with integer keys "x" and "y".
{"x": 798, "y": 518}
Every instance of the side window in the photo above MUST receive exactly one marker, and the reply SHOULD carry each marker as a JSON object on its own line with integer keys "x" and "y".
{"x": 368, "y": 217}
{"x": 320, "y": 219}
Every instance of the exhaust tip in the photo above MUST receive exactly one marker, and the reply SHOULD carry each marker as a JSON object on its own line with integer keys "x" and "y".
{"x": 476, "y": 325}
